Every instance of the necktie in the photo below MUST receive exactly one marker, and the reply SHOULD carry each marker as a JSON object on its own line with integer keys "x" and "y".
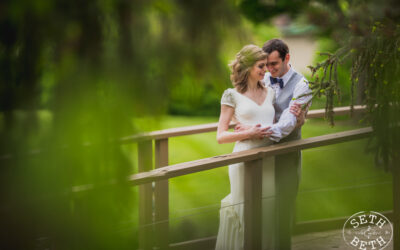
{"x": 276, "y": 80}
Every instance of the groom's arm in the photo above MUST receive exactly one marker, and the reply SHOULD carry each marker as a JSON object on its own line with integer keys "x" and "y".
{"x": 296, "y": 109}
{"x": 289, "y": 121}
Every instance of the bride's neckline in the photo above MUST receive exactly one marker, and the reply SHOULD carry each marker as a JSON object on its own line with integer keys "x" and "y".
{"x": 259, "y": 105}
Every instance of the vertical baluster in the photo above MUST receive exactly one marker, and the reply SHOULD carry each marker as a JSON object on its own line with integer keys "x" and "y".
{"x": 161, "y": 196}
{"x": 145, "y": 158}
{"x": 396, "y": 207}
{"x": 268, "y": 203}
{"x": 252, "y": 205}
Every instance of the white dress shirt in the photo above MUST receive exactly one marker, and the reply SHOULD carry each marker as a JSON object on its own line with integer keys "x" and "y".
{"x": 287, "y": 121}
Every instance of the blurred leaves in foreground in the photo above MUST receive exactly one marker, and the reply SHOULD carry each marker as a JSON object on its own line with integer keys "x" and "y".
{"x": 72, "y": 76}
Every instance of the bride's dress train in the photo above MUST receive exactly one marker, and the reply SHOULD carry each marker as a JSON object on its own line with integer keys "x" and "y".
{"x": 231, "y": 228}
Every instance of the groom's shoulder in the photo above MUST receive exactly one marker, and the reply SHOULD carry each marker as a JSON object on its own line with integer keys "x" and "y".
{"x": 300, "y": 75}
{"x": 302, "y": 79}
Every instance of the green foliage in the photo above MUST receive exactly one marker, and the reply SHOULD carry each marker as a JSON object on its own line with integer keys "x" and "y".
{"x": 258, "y": 11}
{"x": 92, "y": 65}
{"x": 199, "y": 93}
{"x": 376, "y": 60}
{"x": 372, "y": 49}
{"x": 199, "y": 99}
{"x": 327, "y": 84}
{"x": 343, "y": 75}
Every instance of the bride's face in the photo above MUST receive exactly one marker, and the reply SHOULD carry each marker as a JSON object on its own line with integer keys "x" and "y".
{"x": 258, "y": 70}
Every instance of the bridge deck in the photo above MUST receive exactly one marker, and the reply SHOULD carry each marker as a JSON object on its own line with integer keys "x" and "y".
{"x": 323, "y": 240}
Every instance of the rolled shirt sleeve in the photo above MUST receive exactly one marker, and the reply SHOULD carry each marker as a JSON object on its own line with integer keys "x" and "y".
{"x": 287, "y": 121}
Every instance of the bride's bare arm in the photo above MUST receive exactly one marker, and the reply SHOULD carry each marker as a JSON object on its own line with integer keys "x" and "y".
{"x": 224, "y": 136}
{"x": 241, "y": 127}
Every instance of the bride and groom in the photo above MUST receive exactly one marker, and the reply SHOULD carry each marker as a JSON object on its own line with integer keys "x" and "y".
{"x": 267, "y": 107}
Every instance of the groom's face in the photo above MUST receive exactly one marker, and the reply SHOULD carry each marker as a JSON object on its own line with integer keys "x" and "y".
{"x": 276, "y": 66}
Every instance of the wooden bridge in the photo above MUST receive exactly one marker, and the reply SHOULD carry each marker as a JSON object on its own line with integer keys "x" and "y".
{"x": 153, "y": 183}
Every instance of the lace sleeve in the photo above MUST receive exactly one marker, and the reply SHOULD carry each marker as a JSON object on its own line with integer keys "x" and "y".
{"x": 227, "y": 98}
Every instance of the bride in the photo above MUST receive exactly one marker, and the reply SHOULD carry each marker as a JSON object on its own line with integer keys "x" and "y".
{"x": 249, "y": 103}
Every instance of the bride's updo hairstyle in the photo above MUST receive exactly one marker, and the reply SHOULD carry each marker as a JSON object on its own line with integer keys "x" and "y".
{"x": 241, "y": 66}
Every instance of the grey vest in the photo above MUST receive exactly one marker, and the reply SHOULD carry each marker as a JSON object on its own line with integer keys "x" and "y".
{"x": 282, "y": 102}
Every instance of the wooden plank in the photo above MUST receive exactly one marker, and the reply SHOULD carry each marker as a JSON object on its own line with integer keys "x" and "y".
{"x": 190, "y": 130}
{"x": 173, "y": 132}
{"x": 252, "y": 205}
{"x": 312, "y": 226}
{"x": 303, "y": 227}
{"x": 145, "y": 149}
{"x": 161, "y": 197}
{"x": 318, "y": 113}
{"x": 248, "y": 155}
{"x": 207, "y": 243}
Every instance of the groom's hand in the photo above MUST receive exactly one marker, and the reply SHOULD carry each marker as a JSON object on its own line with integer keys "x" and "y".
{"x": 295, "y": 109}
{"x": 300, "y": 114}
{"x": 241, "y": 127}
{"x": 267, "y": 132}
{"x": 258, "y": 132}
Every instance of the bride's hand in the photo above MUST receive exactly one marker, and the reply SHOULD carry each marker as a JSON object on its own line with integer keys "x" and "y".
{"x": 256, "y": 132}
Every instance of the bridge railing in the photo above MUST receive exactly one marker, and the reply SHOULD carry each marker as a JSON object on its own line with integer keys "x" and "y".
{"x": 154, "y": 189}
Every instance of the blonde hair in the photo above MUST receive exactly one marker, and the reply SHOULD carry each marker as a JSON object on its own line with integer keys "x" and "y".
{"x": 244, "y": 61}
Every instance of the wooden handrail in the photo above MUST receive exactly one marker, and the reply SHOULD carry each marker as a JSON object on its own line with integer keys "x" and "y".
{"x": 254, "y": 165}
{"x": 172, "y": 132}
{"x": 318, "y": 113}
{"x": 248, "y": 155}
{"x": 209, "y": 127}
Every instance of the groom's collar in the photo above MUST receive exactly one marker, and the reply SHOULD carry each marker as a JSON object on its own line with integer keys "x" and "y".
{"x": 287, "y": 75}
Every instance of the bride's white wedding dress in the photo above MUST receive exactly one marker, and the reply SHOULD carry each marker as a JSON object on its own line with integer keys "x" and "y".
{"x": 248, "y": 112}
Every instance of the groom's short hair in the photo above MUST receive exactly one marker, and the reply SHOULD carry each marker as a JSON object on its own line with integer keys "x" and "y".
{"x": 278, "y": 45}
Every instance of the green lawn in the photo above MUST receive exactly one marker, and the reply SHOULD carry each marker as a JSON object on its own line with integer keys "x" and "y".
{"x": 337, "y": 180}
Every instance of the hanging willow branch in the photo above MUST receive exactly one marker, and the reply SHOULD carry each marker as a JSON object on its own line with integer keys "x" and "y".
{"x": 325, "y": 80}
{"x": 375, "y": 59}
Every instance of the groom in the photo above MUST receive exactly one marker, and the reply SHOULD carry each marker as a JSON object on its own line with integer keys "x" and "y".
{"x": 289, "y": 87}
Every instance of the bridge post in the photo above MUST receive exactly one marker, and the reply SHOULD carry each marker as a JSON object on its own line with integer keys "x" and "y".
{"x": 161, "y": 197}
{"x": 145, "y": 163}
{"x": 268, "y": 203}
{"x": 252, "y": 204}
